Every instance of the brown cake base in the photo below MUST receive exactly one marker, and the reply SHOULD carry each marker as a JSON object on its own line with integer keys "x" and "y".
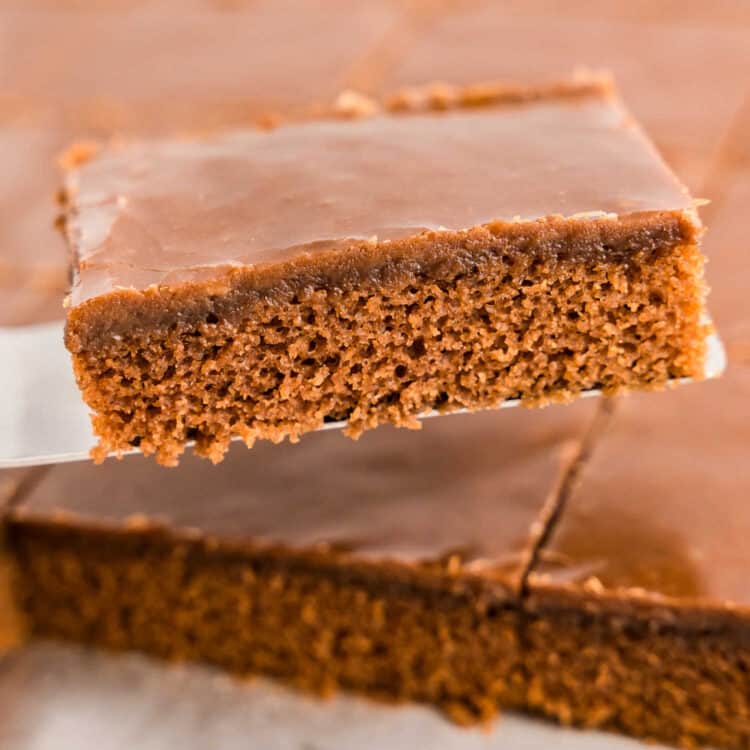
{"x": 13, "y": 630}
{"x": 391, "y": 568}
{"x": 320, "y": 626}
{"x": 466, "y": 647}
{"x": 489, "y": 561}
{"x": 680, "y": 679}
{"x": 637, "y": 609}
{"x": 465, "y": 322}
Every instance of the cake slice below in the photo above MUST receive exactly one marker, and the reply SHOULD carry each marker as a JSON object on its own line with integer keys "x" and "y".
{"x": 638, "y": 613}
{"x": 474, "y": 566}
{"x": 392, "y": 566}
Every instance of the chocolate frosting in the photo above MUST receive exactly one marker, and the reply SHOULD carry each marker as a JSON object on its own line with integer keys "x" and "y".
{"x": 476, "y": 486}
{"x": 662, "y": 512}
{"x": 168, "y": 212}
{"x": 166, "y": 66}
{"x": 726, "y": 246}
{"x": 75, "y": 72}
{"x": 648, "y": 57}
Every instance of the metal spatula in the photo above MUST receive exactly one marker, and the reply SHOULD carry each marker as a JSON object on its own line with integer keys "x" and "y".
{"x": 45, "y": 421}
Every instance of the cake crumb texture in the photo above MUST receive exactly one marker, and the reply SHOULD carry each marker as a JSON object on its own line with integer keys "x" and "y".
{"x": 317, "y": 626}
{"x": 485, "y": 318}
{"x": 656, "y": 681}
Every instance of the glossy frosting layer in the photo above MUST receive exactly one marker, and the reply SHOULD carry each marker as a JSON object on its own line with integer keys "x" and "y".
{"x": 662, "y": 509}
{"x": 165, "y": 66}
{"x": 164, "y": 212}
{"x": 474, "y": 486}
{"x": 646, "y": 56}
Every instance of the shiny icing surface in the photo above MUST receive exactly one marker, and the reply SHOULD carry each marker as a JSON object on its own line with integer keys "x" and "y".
{"x": 165, "y": 66}
{"x": 662, "y": 508}
{"x": 172, "y": 211}
{"x": 474, "y": 486}
{"x": 647, "y": 56}
{"x": 72, "y": 71}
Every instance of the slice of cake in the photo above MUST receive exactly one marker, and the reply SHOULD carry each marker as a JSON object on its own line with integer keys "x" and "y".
{"x": 639, "y": 609}
{"x": 528, "y": 244}
{"x": 392, "y": 566}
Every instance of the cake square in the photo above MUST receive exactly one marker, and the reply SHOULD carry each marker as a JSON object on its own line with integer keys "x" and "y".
{"x": 392, "y": 566}
{"x": 646, "y": 55}
{"x": 639, "y": 608}
{"x": 478, "y": 247}
{"x": 200, "y": 65}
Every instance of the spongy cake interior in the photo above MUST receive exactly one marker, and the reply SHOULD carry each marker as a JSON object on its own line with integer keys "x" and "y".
{"x": 382, "y": 329}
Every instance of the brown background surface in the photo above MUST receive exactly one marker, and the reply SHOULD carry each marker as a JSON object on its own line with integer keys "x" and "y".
{"x": 79, "y": 69}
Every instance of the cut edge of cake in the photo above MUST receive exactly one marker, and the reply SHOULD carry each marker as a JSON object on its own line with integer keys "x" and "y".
{"x": 432, "y": 322}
